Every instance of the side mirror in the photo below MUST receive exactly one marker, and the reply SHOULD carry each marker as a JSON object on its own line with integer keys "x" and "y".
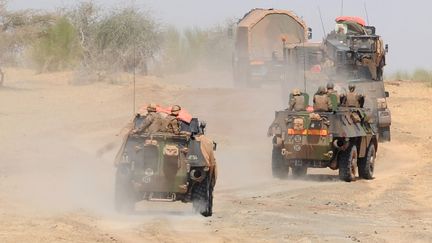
{"x": 309, "y": 33}
{"x": 386, "y": 48}
{"x": 387, "y": 94}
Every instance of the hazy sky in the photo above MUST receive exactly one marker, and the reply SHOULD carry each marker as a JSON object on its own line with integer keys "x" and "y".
{"x": 404, "y": 25}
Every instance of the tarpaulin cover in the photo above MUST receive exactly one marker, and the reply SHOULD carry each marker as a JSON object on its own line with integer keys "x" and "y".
{"x": 184, "y": 115}
{"x": 261, "y": 31}
{"x": 355, "y": 19}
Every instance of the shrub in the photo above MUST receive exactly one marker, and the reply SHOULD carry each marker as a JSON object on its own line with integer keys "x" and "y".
{"x": 58, "y": 49}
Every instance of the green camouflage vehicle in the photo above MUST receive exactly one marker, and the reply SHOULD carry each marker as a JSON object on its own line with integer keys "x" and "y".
{"x": 342, "y": 140}
{"x": 166, "y": 167}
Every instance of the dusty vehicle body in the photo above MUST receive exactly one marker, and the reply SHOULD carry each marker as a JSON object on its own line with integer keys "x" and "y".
{"x": 259, "y": 39}
{"x": 355, "y": 49}
{"x": 166, "y": 167}
{"x": 342, "y": 140}
{"x": 356, "y": 55}
{"x": 343, "y": 59}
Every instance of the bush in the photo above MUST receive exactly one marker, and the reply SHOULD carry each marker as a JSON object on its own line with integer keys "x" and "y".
{"x": 58, "y": 49}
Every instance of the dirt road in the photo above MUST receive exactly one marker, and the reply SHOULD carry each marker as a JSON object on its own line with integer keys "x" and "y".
{"x": 57, "y": 144}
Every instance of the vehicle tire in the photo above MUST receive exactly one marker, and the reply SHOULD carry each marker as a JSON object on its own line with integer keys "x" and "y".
{"x": 124, "y": 195}
{"x": 280, "y": 169}
{"x": 384, "y": 134}
{"x": 348, "y": 163}
{"x": 202, "y": 197}
{"x": 299, "y": 171}
{"x": 366, "y": 165}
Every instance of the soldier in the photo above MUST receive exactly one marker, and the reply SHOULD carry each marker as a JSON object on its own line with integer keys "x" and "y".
{"x": 332, "y": 91}
{"x": 152, "y": 121}
{"x": 352, "y": 98}
{"x": 173, "y": 125}
{"x": 321, "y": 100}
{"x": 297, "y": 101}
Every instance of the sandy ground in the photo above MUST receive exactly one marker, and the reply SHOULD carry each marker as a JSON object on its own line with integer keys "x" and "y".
{"x": 58, "y": 141}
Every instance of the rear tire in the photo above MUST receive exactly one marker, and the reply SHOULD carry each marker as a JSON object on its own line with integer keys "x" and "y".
{"x": 348, "y": 163}
{"x": 202, "y": 197}
{"x": 366, "y": 165}
{"x": 280, "y": 169}
{"x": 124, "y": 196}
{"x": 299, "y": 171}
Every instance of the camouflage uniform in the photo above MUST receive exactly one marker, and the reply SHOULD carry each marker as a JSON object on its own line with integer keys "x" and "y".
{"x": 352, "y": 98}
{"x": 297, "y": 101}
{"x": 152, "y": 121}
{"x": 321, "y": 100}
{"x": 332, "y": 91}
{"x": 172, "y": 122}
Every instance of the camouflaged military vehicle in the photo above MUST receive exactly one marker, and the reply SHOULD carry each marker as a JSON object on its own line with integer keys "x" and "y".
{"x": 342, "y": 140}
{"x": 166, "y": 167}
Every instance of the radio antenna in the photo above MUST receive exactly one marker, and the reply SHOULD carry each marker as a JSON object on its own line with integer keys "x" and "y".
{"x": 322, "y": 22}
{"x": 134, "y": 77}
{"x": 367, "y": 15}
{"x": 342, "y": 7}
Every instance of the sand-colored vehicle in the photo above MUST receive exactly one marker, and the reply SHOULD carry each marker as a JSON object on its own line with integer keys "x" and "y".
{"x": 166, "y": 167}
{"x": 342, "y": 139}
{"x": 260, "y": 38}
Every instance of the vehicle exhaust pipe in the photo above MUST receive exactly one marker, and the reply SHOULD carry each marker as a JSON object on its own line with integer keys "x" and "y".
{"x": 341, "y": 144}
{"x": 197, "y": 175}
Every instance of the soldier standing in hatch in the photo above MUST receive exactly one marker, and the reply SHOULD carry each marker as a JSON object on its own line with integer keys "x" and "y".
{"x": 352, "y": 98}
{"x": 321, "y": 100}
{"x": 173, "y": 125}
{"x": 152, "y": 121}
{"x": 332, "y": 91}
{"x": 297, "y": 101}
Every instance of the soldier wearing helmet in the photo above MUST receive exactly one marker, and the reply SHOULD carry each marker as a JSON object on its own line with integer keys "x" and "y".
{"x": 332, "y": 92}
{"x": 173, "y": 125}
{"x": 152, "y": 121}
{"x": 352, "y": 98}
{"x": 321, "y": 100}
{"x": 297, "y": 101}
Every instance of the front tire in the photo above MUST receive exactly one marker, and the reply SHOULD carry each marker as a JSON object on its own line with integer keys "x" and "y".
{"x": 202, "y": 197}
{"x": 366, "y": 165}
{"x": 280, "y": 170}
{"x": 348, "y": 164}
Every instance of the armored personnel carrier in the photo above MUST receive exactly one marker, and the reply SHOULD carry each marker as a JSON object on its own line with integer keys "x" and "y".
{"x": 342, "y": 139}
{"x": 352, "y": 53}
{"x": 166, "y": 167}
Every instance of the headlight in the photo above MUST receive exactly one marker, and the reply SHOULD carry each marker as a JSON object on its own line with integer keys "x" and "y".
{"x": 381, "y": 103}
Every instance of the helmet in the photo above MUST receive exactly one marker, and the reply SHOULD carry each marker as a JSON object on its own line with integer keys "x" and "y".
{"x": 321, "y": 90}
{"x": 330, "y": 85}
{"x": 175, "y": 110}
{"x": 151, "y": 107}
{"x": 351, "y": 87}
{"x": 296, "y": 91}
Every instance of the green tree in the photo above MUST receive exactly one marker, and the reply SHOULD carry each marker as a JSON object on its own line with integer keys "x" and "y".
{"x": 58, "y": 48}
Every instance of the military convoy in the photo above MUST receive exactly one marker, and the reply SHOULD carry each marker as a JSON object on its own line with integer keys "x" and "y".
{"x": 340, "y": 139}
{"x": 179, "y": 164}
{"x": 168, "y": 167}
